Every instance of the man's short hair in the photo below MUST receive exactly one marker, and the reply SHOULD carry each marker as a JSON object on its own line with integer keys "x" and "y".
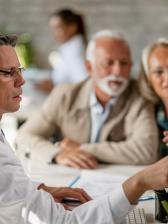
{"x": 101, "y": 34}
{"x": 8, "y": 40}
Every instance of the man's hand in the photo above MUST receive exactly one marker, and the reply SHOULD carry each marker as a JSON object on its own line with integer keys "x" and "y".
{"x": 72, "y": 155}
{"x": 68, "y": 144}
{"x": 153, "y": 177}
{"x": 60, "y": 193}
{"x": 77, "y": 159}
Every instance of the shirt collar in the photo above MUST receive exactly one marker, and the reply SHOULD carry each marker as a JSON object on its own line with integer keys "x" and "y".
{"x": 94, "y": 103}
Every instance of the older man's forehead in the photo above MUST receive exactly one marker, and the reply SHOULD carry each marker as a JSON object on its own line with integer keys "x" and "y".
{"x": 113, "y": 45}
{"x": 112, "y": 42}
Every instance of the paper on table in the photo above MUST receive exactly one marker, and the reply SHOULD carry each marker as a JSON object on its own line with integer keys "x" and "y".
{"x": 98, "y": 183}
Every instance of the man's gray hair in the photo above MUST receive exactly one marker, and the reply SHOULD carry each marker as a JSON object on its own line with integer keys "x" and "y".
{"x": 8, "y": 40}
{"x": 145, "y": 87}
{"x": 102, "y": 34}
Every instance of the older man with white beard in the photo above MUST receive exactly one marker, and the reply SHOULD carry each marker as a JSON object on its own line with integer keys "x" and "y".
{"x": 103, "y": 119}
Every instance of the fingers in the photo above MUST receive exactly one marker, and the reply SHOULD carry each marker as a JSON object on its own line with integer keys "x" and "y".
{"x": 88, "y": 198}
{"x": 73, "y": 193}
{"x": 165, "y": 133}
{"x": 165, "y": 140}
{"x": 70, "y": 161}
{"x": 83, "y": 161}
{"x": 69, "y": 144}
{"x": 89, "y": 161}
{"x": 80, "y": 160}
{"x": 78, "y": 194}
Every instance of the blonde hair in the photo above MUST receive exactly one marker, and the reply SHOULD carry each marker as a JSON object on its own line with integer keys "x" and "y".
{"x": 145, "y": 87}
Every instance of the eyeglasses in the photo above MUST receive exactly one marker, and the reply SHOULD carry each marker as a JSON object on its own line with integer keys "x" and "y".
{"x": 12, "y": 72}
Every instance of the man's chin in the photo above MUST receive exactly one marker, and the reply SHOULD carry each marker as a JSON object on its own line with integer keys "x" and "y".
{"x": 14, "y": 108}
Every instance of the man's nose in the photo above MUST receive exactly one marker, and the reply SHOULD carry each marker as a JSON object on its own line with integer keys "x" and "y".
{"x": 19, "y": 80}
{"x": 116, "y": 68}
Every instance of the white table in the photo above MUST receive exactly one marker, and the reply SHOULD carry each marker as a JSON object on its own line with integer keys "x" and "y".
{"x": 55, "y": 175}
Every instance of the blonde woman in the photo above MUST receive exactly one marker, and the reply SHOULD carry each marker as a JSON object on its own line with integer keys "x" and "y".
{"x": 154, "y": 85}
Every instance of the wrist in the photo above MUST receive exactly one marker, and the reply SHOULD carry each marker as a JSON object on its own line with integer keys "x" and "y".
{"x": 134, "y": 187}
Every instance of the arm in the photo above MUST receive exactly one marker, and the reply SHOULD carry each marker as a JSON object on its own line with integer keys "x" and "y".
{"x": 140, "y": 145}
{"x": 111, "y": 208}
{"x": 153, "y": 177}
{"x": 61, "y": 193}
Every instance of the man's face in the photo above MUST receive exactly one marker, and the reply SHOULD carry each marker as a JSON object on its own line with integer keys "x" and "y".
{"x": 112, "y": 65}
{"x": 10, "y": 87}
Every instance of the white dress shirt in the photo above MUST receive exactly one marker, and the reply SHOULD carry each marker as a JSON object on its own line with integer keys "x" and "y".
{"x": 68, "y": 62}
{"x": 21, "y": 202}
{"x": 99, "y": 115}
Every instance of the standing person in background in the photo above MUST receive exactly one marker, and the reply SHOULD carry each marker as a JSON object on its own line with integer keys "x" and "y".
{"x": 154, "y": 84}
{"x": 69, "y": 31}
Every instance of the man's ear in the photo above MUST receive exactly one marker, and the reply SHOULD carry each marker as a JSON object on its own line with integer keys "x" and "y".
{"x": 88, "y": 67}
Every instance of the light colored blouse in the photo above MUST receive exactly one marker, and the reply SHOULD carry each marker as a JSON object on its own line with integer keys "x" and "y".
{"x": 68, "y": 62}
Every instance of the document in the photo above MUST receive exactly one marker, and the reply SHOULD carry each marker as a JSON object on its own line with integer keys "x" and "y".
{"x": 98, "y": 183}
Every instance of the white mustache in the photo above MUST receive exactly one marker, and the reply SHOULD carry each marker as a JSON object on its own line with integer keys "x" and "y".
{"x": 114, "y": 78}
{"x": 113, "y": 90}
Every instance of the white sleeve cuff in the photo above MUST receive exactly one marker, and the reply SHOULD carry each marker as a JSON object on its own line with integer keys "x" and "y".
{"x": 120, "y": 206}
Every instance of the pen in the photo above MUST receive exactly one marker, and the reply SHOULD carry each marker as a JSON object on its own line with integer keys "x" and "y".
{"x": 74, "y": 181}
{"x": 146, "y": 198}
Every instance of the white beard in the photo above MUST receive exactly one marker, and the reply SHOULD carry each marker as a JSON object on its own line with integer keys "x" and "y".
{"x": 114, "y": 89}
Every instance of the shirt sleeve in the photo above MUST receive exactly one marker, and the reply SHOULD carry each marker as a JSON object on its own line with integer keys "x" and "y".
{"x": 109, "y": 209}
{"x": 120, "y": 206}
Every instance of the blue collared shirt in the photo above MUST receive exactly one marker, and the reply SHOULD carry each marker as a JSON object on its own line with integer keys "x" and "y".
{"x": 99, "y": 114}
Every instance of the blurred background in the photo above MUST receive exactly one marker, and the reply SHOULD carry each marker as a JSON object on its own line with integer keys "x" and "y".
{"x": 141, "y": 20}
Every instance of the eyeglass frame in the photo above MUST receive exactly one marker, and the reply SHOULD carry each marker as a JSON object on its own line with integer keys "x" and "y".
{"x": 12, "y": 72}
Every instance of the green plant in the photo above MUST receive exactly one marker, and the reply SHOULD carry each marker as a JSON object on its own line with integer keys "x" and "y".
{"x": 25, "y": 50}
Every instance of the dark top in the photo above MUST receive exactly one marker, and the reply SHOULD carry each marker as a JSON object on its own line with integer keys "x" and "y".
{"x": 162, "y": 122}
